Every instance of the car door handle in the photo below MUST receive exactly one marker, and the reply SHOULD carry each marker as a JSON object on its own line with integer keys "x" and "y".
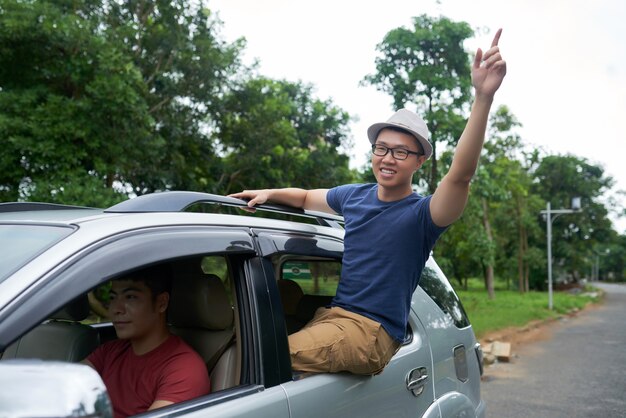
{"x": 416, "y": 379}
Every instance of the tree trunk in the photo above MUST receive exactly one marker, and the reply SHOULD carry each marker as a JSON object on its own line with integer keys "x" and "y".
{"x": 489, "y": 266}
{"x": 520, "y": 263}
{"x": 433, "y": 171}
{"x": 526, "y": 265}
{"x": 314, "y": 272}
{"x": 488, "y": 280}
{"x": 109, "y": 182}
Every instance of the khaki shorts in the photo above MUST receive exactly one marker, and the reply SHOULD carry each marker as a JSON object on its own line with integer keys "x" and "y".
{"x": 336, "y": 340}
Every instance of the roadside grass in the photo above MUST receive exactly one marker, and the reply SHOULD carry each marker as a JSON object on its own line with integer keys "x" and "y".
{"x": 510, "y": 308}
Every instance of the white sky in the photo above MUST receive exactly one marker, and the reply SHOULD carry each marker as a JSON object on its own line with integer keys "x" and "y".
{"x": 566, "y": 80}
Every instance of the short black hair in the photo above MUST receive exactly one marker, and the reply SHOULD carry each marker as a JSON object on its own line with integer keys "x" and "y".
{"x": 158, "y": 278}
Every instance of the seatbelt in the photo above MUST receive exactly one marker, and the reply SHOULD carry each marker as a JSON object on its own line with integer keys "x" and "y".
{"x": 216, "y": 356}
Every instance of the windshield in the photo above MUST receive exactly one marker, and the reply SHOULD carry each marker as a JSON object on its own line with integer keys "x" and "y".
{"x": 20, "y": 243}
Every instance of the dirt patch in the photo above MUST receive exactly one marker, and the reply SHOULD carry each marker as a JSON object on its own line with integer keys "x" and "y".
{"x": 533, "y": 331}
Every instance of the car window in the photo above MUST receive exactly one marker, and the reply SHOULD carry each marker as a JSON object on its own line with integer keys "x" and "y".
{"x": 209, "y": 265}
{"x": 20, "y": 243}
{"x": 314, "y": 277}
{"x": 304, "y": 286}
{"x": 218, "y": 265}
{"x": 436, "y": 285}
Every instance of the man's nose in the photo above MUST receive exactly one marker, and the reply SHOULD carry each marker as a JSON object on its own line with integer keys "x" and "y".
{"x": 389, "y": 157}
{"x": 115, "y": 307}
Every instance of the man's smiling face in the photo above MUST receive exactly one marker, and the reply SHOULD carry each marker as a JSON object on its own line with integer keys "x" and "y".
{"x": 393, "y": 174}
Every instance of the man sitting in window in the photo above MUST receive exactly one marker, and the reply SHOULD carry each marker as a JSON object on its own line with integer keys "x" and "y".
{"x": 147, "y": 367}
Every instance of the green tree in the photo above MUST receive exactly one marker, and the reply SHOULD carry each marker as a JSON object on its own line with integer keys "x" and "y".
{"x": 98, "y": 98}
{"x": 462, "y": 249}
{"x": 62, "y": 83}
{"x": 558, "y": 179}
{"x": 276, "y": 134}
{"x": 187, "y": 68}
{"x": 491, "y": 238}
{"x": 426, "y": 65}
{"x": 613, "y": 263}
{"x": 514, "y": 213}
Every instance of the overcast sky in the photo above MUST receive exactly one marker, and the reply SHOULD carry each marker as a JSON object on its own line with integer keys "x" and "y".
{"x": 566, "y": 80}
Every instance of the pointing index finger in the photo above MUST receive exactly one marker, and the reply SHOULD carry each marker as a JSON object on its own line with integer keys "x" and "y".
{"x": 496, "y": 38}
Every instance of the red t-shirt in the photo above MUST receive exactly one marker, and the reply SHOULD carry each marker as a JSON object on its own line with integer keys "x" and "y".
{"x": 171, "y": 372}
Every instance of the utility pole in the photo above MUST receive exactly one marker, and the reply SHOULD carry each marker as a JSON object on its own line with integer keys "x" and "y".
{"x": 549, "y": 212}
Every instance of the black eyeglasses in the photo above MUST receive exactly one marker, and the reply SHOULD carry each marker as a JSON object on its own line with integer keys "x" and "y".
{"x": 397, "y": 153}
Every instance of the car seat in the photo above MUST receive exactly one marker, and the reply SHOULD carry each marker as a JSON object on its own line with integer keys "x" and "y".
{"x": 290, "y": 295}
{"x": 202, "y": 315}
{"x": 62, "y": 337}
{"x": 309, "y": 304}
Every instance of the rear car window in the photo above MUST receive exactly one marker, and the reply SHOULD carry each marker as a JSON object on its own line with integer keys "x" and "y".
{"x": 437, "y": 286}
{"x": 20, "y": 243}
{"x": 315, "y": 277}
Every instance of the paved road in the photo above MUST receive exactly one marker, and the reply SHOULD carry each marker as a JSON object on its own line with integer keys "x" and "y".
{"x": 579, "y": 372}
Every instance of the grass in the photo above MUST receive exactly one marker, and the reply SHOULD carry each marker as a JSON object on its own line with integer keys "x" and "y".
{"x": 513, "y": 309}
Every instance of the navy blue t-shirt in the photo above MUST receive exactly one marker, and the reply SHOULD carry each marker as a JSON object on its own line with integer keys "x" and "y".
{"x": 386, "y": 245}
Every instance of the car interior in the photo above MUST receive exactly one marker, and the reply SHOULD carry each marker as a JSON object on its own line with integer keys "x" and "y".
{"x": 305, "y": 284}
{"x": 203, "y": 311}
{"x": 63, "y": 337}
{"x": 202, "y": 314}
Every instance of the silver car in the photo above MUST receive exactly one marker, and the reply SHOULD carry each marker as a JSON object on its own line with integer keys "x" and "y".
{"x": 249, "y": 280}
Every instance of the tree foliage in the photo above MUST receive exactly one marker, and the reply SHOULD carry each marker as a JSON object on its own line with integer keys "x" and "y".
{"x": 501, "y": 230}
{"x": 69, "y": 102}
{"x": 104, "y": 99}
{"x": 275, "y": 134}
{"x": 426, "y": 67}
{"x": 559, "y": 178}
{"x": 186, "y": 68}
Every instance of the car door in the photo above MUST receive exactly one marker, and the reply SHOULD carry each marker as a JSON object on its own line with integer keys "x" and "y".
{"x": 404, "y": 388}
{"x": 257, "y": 392}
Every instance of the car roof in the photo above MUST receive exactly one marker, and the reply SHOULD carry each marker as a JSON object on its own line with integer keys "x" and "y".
{"x": 92, "y": 225}
{"x": 67, "y": 215}
{"x": 166, "y": 208}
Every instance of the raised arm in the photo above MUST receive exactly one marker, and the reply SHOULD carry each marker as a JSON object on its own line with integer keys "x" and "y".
{"x": 448, "y": 201}
{"x": 299, "y": 198}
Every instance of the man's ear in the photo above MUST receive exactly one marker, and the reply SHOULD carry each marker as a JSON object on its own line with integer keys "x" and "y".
{"x": 421, "y": 159}
{"x": 162, "y": 302}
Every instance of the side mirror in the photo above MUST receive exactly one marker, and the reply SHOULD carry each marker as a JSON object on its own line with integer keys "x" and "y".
{"x": 36, "y": 388}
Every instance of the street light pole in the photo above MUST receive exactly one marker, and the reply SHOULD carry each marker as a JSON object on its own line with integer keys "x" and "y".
{"x": 549, "y": 237}
{"x": 549, "y": 219}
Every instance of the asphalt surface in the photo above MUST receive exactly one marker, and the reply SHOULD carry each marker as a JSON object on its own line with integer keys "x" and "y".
{"x": 580, "y": 371}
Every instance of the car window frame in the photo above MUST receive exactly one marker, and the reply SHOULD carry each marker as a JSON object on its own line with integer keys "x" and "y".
{"x": 144, "y": 246}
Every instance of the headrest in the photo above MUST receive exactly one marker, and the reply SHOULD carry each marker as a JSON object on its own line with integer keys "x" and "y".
{"x": 290, "y": 295}
{"x": 76, "y": 310}
{"x": 199, "y": 300}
